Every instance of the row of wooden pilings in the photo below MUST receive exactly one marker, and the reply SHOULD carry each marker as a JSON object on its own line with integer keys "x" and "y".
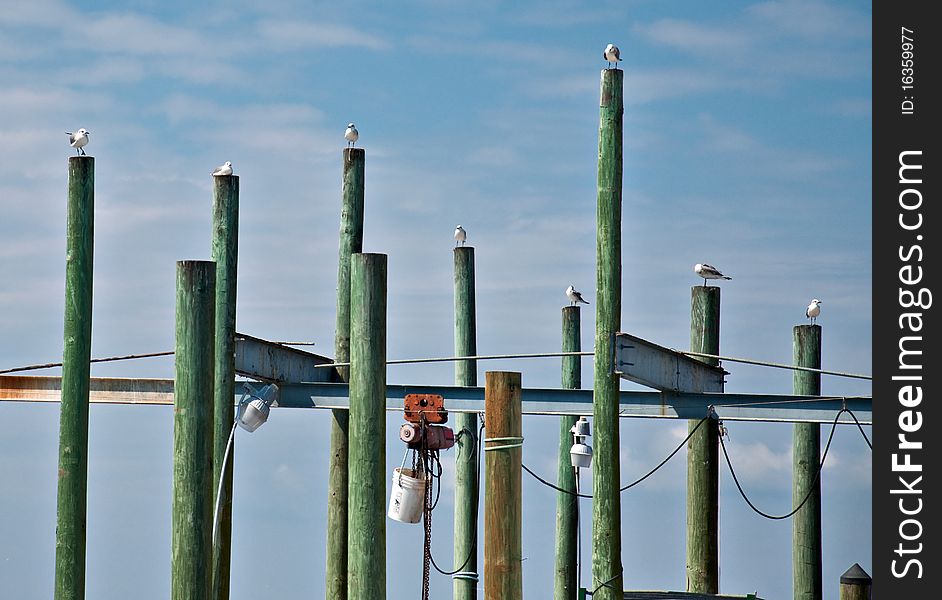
{"x": 356, "y": 486}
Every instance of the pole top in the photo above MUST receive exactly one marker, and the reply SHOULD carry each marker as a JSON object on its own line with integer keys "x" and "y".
{"x": 856, "y": 576}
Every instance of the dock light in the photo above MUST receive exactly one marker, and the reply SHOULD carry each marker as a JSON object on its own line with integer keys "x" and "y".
{"x": 581, "y": 453}
{"x": 255, "y": 406}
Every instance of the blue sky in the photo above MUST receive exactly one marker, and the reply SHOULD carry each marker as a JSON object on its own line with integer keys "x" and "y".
{"x": 747, "y": 145}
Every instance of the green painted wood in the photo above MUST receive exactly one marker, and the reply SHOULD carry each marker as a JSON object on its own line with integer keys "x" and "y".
{"x": 567, "y": 505}
{"x": 366, "y": 542}
{"x": 351, "y": 242}
{"x": 606, "y": 507}
{"x": 806, "y": 456}
{"x": 192, "y": 511}
{"x": 703, "y": 459}
{"x": 76, "y": 354}
{"x": 466, "y": 471}
{"x": 503, "y": 508}
{"x": 225, "y": 250}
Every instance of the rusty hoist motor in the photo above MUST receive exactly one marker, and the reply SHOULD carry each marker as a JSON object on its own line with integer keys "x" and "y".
{"x": 412, "y": 498}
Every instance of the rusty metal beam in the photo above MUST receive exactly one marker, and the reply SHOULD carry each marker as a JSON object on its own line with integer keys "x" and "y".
{"x": 276, "y": 363}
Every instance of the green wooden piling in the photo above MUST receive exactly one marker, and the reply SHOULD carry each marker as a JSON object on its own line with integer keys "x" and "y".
{"x": 703, "y": 460}
{"x": 191, "y": 535}
{"x": 225, "y": 246}
{"x": 76, "y": 354}
{"x": 503, "y": 508}
{"x": 366, "y": 545}
{"x": 351, "y": 242}
{"x": 567, "y": 505}
{"x": 806, "y": 457}
{"x": 466, "y": 472}
{"x": 855, "y": 584}
{"x": 606, "y": 507}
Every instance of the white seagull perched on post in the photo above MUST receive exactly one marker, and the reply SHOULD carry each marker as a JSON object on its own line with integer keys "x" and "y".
{"x": 351, "y": 135}
{"x": 78, "y": 139}
{"x": 460, "y": 235}
{"x": 574, "y": 296}
{"x": 813, "y": 310}
{"x": 708, "y": 272}
{"x": 223, "y": 169}
{"x": 612, "y": 54}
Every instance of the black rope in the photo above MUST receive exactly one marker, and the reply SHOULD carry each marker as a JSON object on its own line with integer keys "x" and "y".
{"x": 474, "y": 545}
{"x": 860, "y": 427}
{"x": 607, "y": 583}
{"x": 630, "y": 485}
{"x": 811, "y": 488}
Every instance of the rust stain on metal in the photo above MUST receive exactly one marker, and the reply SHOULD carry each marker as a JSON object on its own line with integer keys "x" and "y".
{"x": 430, "y": 406}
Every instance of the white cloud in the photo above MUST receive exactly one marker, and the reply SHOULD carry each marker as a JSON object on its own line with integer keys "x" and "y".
{"x": 812, "y": 19}
{"x": 296, "y": 35}
{"x": 696, "y": 37}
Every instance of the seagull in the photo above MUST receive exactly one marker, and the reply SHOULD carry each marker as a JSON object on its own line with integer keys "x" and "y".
{"x": 813, "y": 310}
{"x": 460, "y": 235}
{"x": 708, "y": 272}
{"x": 224, "y": 169}
{"x": 612, "y": 54}
{"x": 574, "y": 296}
{"x": 351, "y": 135}
{"x": 78, "y": 139}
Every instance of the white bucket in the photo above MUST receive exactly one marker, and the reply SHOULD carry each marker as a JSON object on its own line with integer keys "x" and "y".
{"x": 407, "y": 497}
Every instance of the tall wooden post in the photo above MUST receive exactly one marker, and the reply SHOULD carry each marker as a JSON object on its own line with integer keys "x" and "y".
{"x": 351, "y": 242}
{"x": 366, "y": 545}
{"x": 76, "y": 354}
{"x": 855, "y": 584}
{"x": 503, "y": 571}
{"x": 225, "y": 254}
{"x": 703, "y": 461}
{"x": 806, "y": 524}
{"x": 606, "y": 507}
{"x": 567, "y": 505}
{"x": 191, "y": 535}
{"x": 466, "y": 472}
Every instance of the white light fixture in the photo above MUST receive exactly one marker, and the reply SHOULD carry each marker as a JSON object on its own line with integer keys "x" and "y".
{"x": 253, "y": 412}
{"x": 254, "y": 407}
{"x": 581, "y": 453}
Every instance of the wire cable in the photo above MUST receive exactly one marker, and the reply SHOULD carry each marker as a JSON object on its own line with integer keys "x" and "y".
{"x": 630, "y": 485}
{"x": 474, "y": 545}
{"x": 94, "y": 360}
{"x": 860, "y": 427}
{"x": 811, "y": 488}
{"x": 764, "y": 363}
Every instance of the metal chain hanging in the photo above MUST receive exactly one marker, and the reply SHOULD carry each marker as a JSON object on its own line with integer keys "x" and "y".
{"x": 427, "y": 520}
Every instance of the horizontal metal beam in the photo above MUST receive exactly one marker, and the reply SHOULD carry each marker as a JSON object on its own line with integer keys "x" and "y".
{"x": 664, "y": 369}
{"x": 103, "y": 390}
{"x": 547, "y": 401}
{"x": 732, "y": 407}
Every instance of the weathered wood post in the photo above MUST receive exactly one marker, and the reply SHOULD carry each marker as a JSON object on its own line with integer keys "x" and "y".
{"x": 466, "y": 472}
{"x": 191, "y": 535}
{"x": 76, "y": 354}
{"x": 351, "y": 242}
{"x": 567, "y": 505}
{"x": 703, "y": 461}
{"x": 503, "y": 453}
{"x": 855, "y": 584}
{"x": 806, "y": 524}
{"x": 366, "y": 545}
{"x": 606, "y": 506}
{"x": 225, "y": 254}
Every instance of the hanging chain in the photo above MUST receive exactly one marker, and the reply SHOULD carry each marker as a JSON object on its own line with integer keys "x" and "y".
{"x": 426, "y": 513}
